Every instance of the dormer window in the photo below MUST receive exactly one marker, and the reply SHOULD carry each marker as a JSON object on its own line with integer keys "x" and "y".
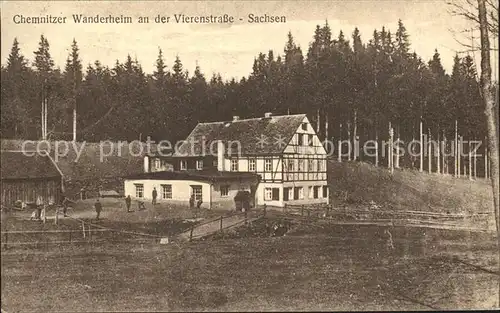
{"x": 304, "y": 126}
{"x": 183, "y": 164}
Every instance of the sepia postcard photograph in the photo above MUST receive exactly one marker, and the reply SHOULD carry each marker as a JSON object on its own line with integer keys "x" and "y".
{"x": 249, "y": 156}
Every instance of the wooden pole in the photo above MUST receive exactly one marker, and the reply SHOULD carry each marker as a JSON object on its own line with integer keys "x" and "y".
{"x": 445, "y": 155}
{"x": 355, "y": 133}
{"x": 470, "y": 162}
{"x": 83, "y": 229}
{"x": 429, "y": 152}
{"x": 421, "y": 146}
{"x": 221, "y": 217}
{"x": 340, "y": 144}
{"x": 389, "y": 148}
{"x": 486, "y": 162}
{"x": 349, "y": 139}
{"x": 397, "y": 147}
{"x": 438, "y": 156}
{"x": 459, "y": 155}
{"x": 457, "y": 164}
{"x": 474, "y": 157}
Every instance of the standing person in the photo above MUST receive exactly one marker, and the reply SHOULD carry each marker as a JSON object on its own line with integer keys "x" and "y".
{"x": 191, "y": 202}
{"x": 65, "y": 206}
{"x": 155, "y": 194}
{"x": 98, "y": 208}
{"x": 128, "y": 202}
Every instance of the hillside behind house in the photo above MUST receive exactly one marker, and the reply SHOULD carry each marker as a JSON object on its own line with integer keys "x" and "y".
{"x": 359, "y": 183}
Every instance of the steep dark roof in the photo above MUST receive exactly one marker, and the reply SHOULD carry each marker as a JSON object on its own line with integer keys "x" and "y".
{"x": 204, "y": 175}
{"x": 17, "y": 165}
{"x": 247, "y": 132}
{"x": 91, "y": 163}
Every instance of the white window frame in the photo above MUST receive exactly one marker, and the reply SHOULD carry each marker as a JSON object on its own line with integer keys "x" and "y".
{"x": 268, "y": 194}
{"x": 139, "y": 191}
{"x": 165, "y": 194}
{"x": 252, "y": 165}
{"x": 268, "y": 165}
{"x": 183, "y": 165}
{"x": 197, "y": 196}
{"x": 234, "y": 165}
{"x": 301, "y": 193}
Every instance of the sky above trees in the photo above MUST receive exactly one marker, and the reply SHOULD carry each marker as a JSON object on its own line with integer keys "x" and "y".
{"x": 226, "y": 50}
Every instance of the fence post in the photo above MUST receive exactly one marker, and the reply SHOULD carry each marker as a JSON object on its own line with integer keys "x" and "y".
{"x": 265, "y": 210}
{"x": 302, "y": 211}
{"x": 191, "y": 233}
{"x": 246, "y": 215}
{"x": 221, "y": 217}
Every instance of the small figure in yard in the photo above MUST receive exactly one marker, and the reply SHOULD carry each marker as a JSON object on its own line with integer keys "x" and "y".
{"x": 198, "y": 204}
{"x": 98, "y": 208}
{"x": 155, "y": 194}
{"x": 65, "y": 206}
{"x": 128, "y": 202}
{"x": 389, "y": 243}
{"x": 191, "y": 202}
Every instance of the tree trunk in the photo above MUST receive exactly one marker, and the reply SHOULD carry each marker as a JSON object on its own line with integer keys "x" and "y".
{"x": 421, "y": 146}
{"x": 491, "y": 112}
{"x": 355, "y": 133}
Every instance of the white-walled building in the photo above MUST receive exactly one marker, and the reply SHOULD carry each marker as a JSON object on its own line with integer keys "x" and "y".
{"x": 278, "y": 159}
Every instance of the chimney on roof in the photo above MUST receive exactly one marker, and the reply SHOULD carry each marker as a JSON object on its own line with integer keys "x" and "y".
{"x": 220, "y": 155}
{"x": 236, "y": 118}
{"x": 268, "y": 114}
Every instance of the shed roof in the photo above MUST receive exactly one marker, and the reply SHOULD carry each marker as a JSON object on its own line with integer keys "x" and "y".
{"x": 256, "y": 136}
{"x": 20, "y": 165}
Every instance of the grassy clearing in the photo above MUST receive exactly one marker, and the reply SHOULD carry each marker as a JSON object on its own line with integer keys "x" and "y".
{"x": 408, "y": 189}
{"x": 304, "y": 270}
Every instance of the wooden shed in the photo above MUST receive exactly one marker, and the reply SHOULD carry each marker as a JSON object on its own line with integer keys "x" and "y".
{"x": 30, "y": 177}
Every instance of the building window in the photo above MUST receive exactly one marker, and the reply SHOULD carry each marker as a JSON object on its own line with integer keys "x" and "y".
{"x": 268, "y": 165}
{"x": 298, "y": 193}
{"x": 251, "y": 165}
{"x": 183, "y": 164}
{"x": 196, "y": 191}
{"x": 139, "y": 190}
{"x": 310, "y": 165}
{"x": 157, "y": 164}
{"x": 291, "y": 165}
{"x": 305, "y": 142}
{"x": 215, "y": 163}
{"x": 316, "y": 192}
{"x": 271, "y": 194}
{"x": 300, "y": 140}
{"x": 311, "y": 140}
{"x": 304, "y": 126}
{"x": 325, "y": 191}
{"x": 166, "y": 191}
{"x": 287, "y": 193}
{"x": 224, "y": 190}
{"x": 311, "y": 193}
{"x": 320, "y": 165}
{"x": 301, "y": 165}
{"x": 199, "y": 164}
{"x": 234, "y": 165}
